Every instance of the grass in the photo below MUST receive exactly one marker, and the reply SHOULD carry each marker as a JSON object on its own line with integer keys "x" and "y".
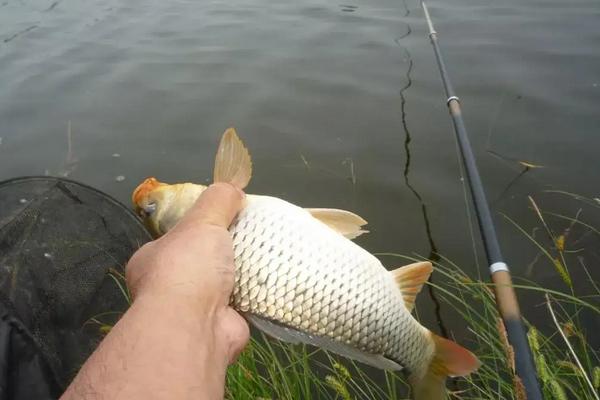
{"x": 568, "y": 365}
{"x": 273, "y": 370}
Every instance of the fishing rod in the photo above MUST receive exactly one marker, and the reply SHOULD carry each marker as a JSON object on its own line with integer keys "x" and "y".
{"x": 506, "y": 299}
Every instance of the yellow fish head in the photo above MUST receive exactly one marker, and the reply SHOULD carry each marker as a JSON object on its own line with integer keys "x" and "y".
{"x": 148, "y": 201}
{"x": 161, "y": 205}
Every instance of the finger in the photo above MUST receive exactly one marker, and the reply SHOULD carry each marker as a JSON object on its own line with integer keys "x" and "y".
{"x": 218, "y": 205}
{"x": 238, "y": 331}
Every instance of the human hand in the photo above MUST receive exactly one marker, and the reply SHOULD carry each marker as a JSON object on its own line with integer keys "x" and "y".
{"x": 192, "y": 267}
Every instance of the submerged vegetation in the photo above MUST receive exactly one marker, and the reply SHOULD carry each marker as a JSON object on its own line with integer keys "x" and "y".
{"x": 568, "y": 365}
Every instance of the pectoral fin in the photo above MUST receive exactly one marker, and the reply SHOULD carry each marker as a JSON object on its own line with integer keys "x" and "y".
{"x": 410, "y": 280}
{"x": 346, "y": 223}
{"x": 233, "y": 163}
{"x": 290, "y": 335}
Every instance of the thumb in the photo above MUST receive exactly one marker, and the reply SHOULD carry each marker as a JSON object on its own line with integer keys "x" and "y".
{"x": 217, "y": 205}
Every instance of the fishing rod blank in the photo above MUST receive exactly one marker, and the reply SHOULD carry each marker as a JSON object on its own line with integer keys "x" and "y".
{"x": 506, "y": 298}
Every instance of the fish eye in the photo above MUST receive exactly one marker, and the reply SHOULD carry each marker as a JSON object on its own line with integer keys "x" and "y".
{"x": 149, "y": 208}
{"x": 146, "y": 210}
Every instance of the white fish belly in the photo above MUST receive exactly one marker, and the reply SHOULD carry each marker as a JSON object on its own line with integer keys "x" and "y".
{"x": 293, "y": 269}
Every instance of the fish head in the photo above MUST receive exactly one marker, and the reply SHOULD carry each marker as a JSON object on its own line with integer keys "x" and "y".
{"x": 148, "y": 200}
{"x": 161, "y": 205}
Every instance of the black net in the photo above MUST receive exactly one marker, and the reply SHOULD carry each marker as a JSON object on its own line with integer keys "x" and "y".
{"x": 63, "y": 246}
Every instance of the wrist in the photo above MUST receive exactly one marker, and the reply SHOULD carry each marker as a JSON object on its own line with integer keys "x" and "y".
{"x": 178, "y": 299}
{"x": 200, "y": 320}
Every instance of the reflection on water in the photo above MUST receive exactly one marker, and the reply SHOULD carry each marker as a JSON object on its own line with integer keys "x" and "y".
{"x": 433, "y": 252}
{"x": 16, "y": 35}
{"x": 348, "y": 8}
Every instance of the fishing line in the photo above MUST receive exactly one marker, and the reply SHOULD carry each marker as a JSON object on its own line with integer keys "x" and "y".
{"x": 470, "y": 220}
{"x": 510, "y": 161}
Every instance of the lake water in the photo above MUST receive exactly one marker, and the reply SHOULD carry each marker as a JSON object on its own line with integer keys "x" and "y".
{"x": 340, "y": 104}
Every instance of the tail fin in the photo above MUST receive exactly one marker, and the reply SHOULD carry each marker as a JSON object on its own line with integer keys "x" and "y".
{"x": 450, "y": 359}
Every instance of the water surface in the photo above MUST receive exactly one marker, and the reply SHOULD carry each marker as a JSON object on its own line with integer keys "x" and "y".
{"x": 340, "y": 104}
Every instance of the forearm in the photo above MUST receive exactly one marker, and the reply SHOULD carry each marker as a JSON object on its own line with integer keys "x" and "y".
{"x": 160, "y": 349}
{"x": 178, "y": 337}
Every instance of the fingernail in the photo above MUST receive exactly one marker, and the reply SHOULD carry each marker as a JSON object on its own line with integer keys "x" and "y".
{"x": 241, "y": 192}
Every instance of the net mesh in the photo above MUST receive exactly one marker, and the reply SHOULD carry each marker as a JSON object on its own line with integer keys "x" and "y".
{"x": 63, "y": 246}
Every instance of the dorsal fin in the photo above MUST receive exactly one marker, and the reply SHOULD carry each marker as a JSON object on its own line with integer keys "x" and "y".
{"x": 410, "y": 279}
{"x": 344, "y": 222}
{"x": 232, "y": 163}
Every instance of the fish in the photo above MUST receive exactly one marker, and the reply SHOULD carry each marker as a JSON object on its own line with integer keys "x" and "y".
{"x": 300, "y": 278}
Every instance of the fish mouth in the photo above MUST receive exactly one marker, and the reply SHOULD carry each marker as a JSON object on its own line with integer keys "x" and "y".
{"x": 143, "y": 189}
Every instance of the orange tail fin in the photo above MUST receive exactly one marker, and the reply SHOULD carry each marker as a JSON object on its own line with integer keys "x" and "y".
{"x": 450, "y": 359}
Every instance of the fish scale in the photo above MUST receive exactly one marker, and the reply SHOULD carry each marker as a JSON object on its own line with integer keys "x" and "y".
{"x": 292, "y": 269}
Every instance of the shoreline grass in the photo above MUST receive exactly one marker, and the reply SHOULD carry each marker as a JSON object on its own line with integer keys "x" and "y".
{"x": 270, "y": 369}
